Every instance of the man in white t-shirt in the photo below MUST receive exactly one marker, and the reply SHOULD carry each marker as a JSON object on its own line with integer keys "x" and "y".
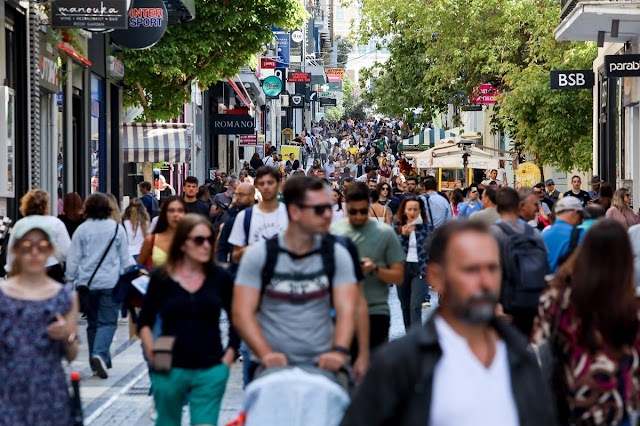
{"x": 464, "y": 366}
{"x": 268, "y": 217}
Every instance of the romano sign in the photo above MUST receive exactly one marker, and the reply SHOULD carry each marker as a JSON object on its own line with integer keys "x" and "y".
{"x": 232, "y": 124}
{"x": 89, "y": 14}
{"x": 622, "y": 65}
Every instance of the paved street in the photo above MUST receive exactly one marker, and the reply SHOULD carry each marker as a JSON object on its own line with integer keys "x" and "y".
{"x": 123, "y": 398}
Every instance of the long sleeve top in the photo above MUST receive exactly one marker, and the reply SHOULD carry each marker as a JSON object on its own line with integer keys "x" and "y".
{"x": 422, "y": 236}
{"x": 192, "y": 318}
{"x": 626, "y": 219}
{"x": 88, "y": 244}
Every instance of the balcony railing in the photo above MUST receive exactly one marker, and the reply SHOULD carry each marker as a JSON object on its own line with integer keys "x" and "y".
{"x": 566, "y": 6}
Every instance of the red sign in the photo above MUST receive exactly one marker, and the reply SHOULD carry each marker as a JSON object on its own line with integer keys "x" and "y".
{"x": 484, "y": 94}
{"x": 268, "y": 63}
{"x": 248, "y": 140}
{"x": 299, "y": 77}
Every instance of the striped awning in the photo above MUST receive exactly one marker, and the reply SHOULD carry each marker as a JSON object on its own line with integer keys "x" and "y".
{"x": 156, "y": 142}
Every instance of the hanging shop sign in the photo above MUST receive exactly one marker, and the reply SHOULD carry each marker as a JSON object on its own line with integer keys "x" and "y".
{"x": 334, "y": 75}
{"x": 572, "y": 80}
{"x": 283, "y": 47}
{"x": 89, "y": 14}
{"x": 232, "y": 124}
{"x": 484, "y": 94}
{"x": 116, "y": 68}
{"x": 295, "y": 49}
{"x": 299, "y": 77}
{"x": 272, "y": 87}
{"x": 48, "y": 66}
{"x": 328, "y": 102}
{"x": 148, "y": 21}
{"x": 622, "y": 65}
{"x": 248, "y": 140}
{"x": 296, "y": 100}
{"x": 267, "y": 63}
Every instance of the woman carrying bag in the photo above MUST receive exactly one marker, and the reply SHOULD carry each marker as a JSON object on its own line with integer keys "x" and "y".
{"x": 413, "y": 231}
{"x": 188, "y": 359}
{"x": 99, "y": 254}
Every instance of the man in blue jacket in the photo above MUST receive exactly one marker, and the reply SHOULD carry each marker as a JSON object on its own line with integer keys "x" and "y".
{"x": 563, "y": 236}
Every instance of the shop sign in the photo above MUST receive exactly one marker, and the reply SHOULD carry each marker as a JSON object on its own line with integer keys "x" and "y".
{"x": 622, "y": 65}
{"x": 272, "y": 86}
{"x": 89, "y": 14}
{"x": 283, "y": 47}
{"x": 48, "y": 67}
{"x": 248, "y": 140}
{"x": 299, "y": 77}
{"x": 232, "y": 124}
{"x": 572, "y": 79}
{"x": 116, "y": 67}
{"x": 295, "y": 50}
{"x": 296, "y": 100}
{"x": 328, "y": 102}
{"x": 148, "y": 21}
{"x": 485, "y": 94}
{"x": 267, "y": 63}
{"x": 334, "y": 75}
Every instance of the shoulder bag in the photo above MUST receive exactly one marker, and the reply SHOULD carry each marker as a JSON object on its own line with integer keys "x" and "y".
{"x": 83, "y": 290}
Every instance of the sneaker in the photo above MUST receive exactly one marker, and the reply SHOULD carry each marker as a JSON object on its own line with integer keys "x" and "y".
{"x": 99, "y": 366}
{"x": 426, "y": 304}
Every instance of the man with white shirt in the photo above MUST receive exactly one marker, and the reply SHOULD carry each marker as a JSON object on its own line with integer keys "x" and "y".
{"x": 464, "y": 366}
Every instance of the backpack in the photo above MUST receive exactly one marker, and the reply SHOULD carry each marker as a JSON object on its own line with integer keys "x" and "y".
{"x": 573, "y": 244}
{"x": 524, "y": 267}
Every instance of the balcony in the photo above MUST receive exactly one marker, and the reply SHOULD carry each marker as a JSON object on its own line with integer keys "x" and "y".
{"x": 582, "y": 20}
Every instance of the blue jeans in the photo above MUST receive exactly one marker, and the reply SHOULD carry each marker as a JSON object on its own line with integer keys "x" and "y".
{"x": 102, "y": 321}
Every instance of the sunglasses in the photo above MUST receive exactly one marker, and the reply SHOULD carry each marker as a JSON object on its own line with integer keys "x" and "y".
{"x": 27, "y": 246}
{"x": 200, "y": 240}
{"x": 318, "y": 209}
{"x": 385, "y": 188}
{"x": 354, "y": 212}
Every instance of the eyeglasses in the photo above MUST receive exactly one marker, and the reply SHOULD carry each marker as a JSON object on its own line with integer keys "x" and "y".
{"x": 200, "y": 240}
{"x": 28, "y": 246}
{"x": 385, "y": 188}
{"x": 318, "y": 209}
{"x": 354, "y": 212}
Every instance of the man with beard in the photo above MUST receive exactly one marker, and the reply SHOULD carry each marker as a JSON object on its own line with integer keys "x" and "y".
{"x": 464, "y": 366}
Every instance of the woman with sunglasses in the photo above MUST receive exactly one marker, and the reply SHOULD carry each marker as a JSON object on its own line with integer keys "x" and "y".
{"x": 412, "y": 228}
{"x": 188, "y": 293}
{"x": 386, "y": 197}
{"x": 38, "y": 325}
{"x": 620, "y": 210}
{"x": 338, "y": 206}
{"x": 156, "y": 245}
{"x": 378, "y": 211}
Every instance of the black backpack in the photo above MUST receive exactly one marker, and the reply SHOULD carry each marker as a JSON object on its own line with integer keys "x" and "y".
{"x": 524, "y": 268}
{"x": 326, "y": 251}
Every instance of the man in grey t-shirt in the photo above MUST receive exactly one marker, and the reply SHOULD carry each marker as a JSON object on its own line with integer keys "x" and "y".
{"x": 290, "y": 322}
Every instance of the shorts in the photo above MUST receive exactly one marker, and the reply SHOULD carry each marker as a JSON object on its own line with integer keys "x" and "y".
{"x": 205, "y": 388}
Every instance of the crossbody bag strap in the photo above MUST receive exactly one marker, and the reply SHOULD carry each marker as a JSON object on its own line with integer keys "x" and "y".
{"x": 429, "y": 209}
{"x": 104, "y": 255}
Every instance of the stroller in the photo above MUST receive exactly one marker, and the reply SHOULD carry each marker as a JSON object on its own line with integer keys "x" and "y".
{"x": 293, "y": 396}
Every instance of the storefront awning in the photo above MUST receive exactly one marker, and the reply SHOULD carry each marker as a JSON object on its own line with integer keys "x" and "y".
{"x": 156, "y": 142}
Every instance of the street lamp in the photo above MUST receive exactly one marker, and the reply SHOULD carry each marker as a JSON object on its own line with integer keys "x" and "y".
{"x": 466, "y": 145}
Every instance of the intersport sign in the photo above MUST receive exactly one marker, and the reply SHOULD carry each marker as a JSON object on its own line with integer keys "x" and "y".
{"x": 622, "y": 65}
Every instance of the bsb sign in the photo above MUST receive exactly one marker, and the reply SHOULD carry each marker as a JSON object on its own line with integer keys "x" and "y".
{"x": 622, "y": 65}
{"x": 572, "y": 79}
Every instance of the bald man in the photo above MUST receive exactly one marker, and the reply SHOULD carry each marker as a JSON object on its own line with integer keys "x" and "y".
{"x": 243, "y": 197}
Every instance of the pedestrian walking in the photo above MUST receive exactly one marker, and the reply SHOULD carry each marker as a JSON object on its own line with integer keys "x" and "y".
{"x": 188, "y": 293}
{"x": 72, "y": 215}
{"x": 338, "y": 206}
{"x": 190, "y": 192}
{"x": 413, "y": 230}
{"x": 595, "y": 345}
{"x": 150, "y": 202}
{"x": 382, "y": 259}
{"x": 136, "y": 222}
{"x": 243, "y": 197}
{"x": 155, "y": 249}
{"x": 553, "y": 194}
{"x": 37, "y": 202}
{"x": 620, "y": 210}
{"x": 287, "y": 285}
{"x": 472, "y": 204}
{"x": 99, "y": 253}
{"x": 564, "y": 236}
{"x": 38, "y": 323}
{"x": 489, "y": 214}
{"x": 464, "y": 366}
{"x": 577, "y": 192}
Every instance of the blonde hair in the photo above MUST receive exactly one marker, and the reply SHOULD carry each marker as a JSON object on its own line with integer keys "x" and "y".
{"x": 618, "y": 199}
{"x": 35, "y": 201}
{"x": 137, "y": 214}
{"x": 115, "y": 208}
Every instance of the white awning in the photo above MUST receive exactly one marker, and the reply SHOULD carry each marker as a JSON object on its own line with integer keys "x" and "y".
{"x": 156, "y": 142}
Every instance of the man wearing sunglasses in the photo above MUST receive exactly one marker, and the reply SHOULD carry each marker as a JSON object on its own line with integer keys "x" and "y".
{"x": 287, "y": 320}
{"x": 381, "y": 255}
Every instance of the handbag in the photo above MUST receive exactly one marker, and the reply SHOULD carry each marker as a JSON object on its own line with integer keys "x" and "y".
{"x": 83, "y": 290}
{"x": 163, "y": 353}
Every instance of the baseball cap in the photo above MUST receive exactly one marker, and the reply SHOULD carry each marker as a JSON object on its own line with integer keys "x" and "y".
{"x": 30, "y": 223}
{"x": 549, "y": 182}
{"x": 568, "y": 203}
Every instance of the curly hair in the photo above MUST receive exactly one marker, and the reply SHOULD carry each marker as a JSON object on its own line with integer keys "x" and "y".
{"x": 35, "y": 201}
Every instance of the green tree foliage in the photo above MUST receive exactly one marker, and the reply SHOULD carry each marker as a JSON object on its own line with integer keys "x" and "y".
{"x": 355, "y": 106}
{"x": 345, "y": 47}
{"x": 442, "y": 51}
{"x": 333, "y": 113}
{"x": 223, "y": 38}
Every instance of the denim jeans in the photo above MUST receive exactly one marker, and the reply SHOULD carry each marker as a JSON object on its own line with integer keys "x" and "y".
{"x": 102, "y": 321}
{"x": 411, "y": 294}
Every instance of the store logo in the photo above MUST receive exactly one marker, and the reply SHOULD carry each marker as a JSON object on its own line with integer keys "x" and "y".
{"x": 297, "y": 36}
{"x": 622, "y": 65}
{"x": 272, "y": 86}
{"x": 572, "y": 79}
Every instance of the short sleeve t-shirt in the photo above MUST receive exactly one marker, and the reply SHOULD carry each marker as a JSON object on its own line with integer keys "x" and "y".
{"x": 263, "y": 226}
{"x": 378, "y": 242}
{"x": 199, "y": 207}
{"x": 583, "y": 196}
{"x": 295, "y": 309}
